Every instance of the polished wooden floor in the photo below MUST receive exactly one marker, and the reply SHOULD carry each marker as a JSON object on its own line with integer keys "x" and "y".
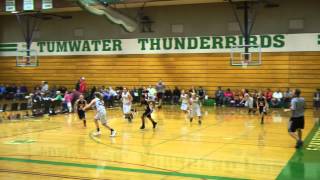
{"x": 229, "y": 144}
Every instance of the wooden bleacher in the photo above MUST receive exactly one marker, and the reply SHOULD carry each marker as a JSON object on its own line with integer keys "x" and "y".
{"x": 279, "y": 70}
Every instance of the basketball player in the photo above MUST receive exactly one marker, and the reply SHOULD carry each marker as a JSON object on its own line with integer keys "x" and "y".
{"x": 262, "y": 106}
{"x": 126, "y": 104}
{"x": 148, "y": 107}
{"x": 296, "y": 122}
{"x": 100, "y": 114}
{"x": 79, "y": 105}
{"x": 194, "y": 107}
{"x": 184, "y": 101}
{"x": 249, "y": 102}
{"x": 144, "y": 94}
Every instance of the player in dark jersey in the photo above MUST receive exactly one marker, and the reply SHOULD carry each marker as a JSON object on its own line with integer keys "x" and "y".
{"x": 262, "y": 106}
{"x": 80, "y": 104}
{"x": 148, "y": 109}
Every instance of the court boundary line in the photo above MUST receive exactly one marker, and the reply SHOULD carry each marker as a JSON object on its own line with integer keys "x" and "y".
{"x": 115, "y": 168}
{"x": 32, "y": 173}
{"x": 297, "y": 153}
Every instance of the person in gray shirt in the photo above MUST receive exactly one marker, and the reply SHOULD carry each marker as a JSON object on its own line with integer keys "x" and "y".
{"x": 296, "y": 122}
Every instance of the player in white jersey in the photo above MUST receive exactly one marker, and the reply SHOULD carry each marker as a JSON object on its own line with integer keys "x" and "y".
{"x": 126, "y": 104}
{"x": 194, "y": 108}
{"x": 184, "y": 101}
{"x": 101, "y": 114}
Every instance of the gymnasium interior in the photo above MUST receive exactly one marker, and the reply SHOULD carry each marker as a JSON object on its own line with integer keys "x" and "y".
{"x": 217, "y": 50}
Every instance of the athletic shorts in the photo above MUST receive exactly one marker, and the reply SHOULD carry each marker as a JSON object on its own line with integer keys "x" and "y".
{"x": 184, "y": 106}
{"x": 296, "y": 123}
{"x": 81, "y": 114}
{"x": 195, "y": 112}
{"x": 262, "y": 110}
{"x": 147, "y": 114}
{"x": 126, "y": 108}
{"x": 102, "y": 117}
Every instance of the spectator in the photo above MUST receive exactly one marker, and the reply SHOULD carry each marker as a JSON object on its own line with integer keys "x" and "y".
{"x": 268, "y": 95}
{"x": 316, "y": 99}
{"x": 161, "y": 89}
{"x": 106, "y": 97}
{"x": 228, "y": 97}
{"x": 135, "y": 94}
{"x": 10, "y": 91}
{"x": 14, "y": 88}
{"x": 93, "y": 90}
{"x": 201, "y": 93}
{"x": 2, "y": 91}
{"x": 83, "y": 85}
{"x": 112, "y": 95}
{"x": 44, "y": 86}
{"x": 19, "y": 94}
{"x": 243, "y": 94}
{"x": 237, "y": 98}
{"x": 53, "y": 91}
{"x": 36, "y": 104}
{"x": 101, "y": 89}
{"x": 276, "y": 98}
{"x": 176, "y": 95}
{"x": 168, "y": 96}
{"x": 24, "y": 89}
{"x": 75, "y": 96}
{"x": 152, "y": 93}
{"x": 219, "y": 96}
{"x": 287, "y": 95}
{"x": 68, "y": 101}
{"x": 62, "y": 89}
{"x": 77, "y": 86}
{"x": 56, "y": 102}
{"x": 58, "y": 96}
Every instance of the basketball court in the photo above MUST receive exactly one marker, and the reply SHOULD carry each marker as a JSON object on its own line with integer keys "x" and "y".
{"x": 103, "y": 46}
{"x": 228, "y": 145}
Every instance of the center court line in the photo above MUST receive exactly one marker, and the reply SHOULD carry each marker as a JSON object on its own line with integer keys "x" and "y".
{"x": 113, "y": 168}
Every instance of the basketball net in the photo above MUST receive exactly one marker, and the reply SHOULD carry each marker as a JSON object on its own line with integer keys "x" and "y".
{"x": 245, "y": 64}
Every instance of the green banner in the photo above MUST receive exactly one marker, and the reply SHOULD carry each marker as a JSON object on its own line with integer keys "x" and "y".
{"x": 167, "y": 45}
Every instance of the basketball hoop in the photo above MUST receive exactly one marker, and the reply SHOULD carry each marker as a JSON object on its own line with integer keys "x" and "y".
{"x": 26, "y": 58}
{"x": 245, "y": 55}
{"x": 245, "y": 64}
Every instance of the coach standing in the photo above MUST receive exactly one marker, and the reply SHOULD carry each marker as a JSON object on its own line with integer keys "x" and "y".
{"x": 296, "y": 122}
